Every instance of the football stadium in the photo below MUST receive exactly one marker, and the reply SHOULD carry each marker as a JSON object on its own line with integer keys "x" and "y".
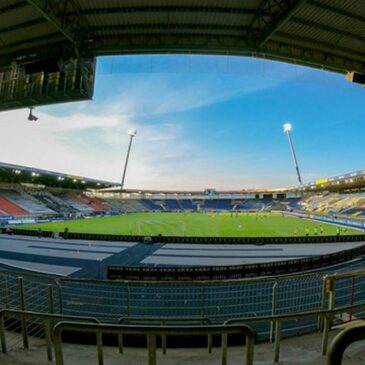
{"x": 96, "y": 270}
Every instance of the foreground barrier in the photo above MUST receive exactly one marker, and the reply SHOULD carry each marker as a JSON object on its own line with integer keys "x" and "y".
{"x": 238, "y": 326}
{"x": 151, "y": 332}
{"x": 325, "y": 315}
{"x": 163, "y": 321}
{"x": 217, "y": 301}
{"x": 342, "y": 341}
{"x": 47, "y": 321}
{"x": 192, "y": 239}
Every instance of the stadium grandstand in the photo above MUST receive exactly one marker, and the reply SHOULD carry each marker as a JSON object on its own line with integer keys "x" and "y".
{"x": 278, "y": 267}
{"x": 36, "y": 257}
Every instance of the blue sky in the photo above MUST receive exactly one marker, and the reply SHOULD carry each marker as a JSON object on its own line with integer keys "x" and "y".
{"x": 202, "y": 121}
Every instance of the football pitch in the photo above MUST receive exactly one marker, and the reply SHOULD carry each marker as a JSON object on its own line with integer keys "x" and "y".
{"x": 197, "y": 224}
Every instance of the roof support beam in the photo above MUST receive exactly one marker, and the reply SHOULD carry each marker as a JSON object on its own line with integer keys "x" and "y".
{"x": 50, "y": 10}
{"x": 271, "y": 16}
{"x": 167, "y": 8}
{"x": 13, "y": 7}
{"x": 326, "y": 28}
{"x": 187, "y": 27}
{"x": 24, "y": 25}
{"x": 338, "y": 11}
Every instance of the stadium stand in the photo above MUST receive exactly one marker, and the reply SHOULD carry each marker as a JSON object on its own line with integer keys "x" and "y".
{"x": 125, "y": 205}
{"x": 151, "y": 204}
{"x": 217, "y": 204}
{"x": 95, "y": 204}
{"x": 172, "y": 204}
{"x": 25, "y": 202}
{"x": 335, "y": 204}
{"x": 19, "y": 200}
{"x": 187, "y": 204}
{"x": 9, "y": 208}
{"x": 71, "y": 199}
{"x": 53, "y": 202}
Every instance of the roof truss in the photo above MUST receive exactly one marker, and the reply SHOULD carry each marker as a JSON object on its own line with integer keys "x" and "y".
{"x": 54, "y": 11}
{"x": 270, "y": 17}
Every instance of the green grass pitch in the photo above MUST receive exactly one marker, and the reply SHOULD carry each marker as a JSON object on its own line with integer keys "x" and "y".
{"x": 197, "y": 224}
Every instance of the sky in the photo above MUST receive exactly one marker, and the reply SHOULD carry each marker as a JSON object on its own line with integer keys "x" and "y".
{"x": 201, "y": 121}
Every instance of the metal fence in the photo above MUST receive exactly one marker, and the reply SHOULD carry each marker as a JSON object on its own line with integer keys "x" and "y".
{"x": 216, "y": 300}
{"x": 161, "y": 327}
{"x": 273, "y": 307}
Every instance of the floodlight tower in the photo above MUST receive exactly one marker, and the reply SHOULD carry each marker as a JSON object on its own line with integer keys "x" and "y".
{"x": 287, "y": 127}
{"x": 132, "y": 133}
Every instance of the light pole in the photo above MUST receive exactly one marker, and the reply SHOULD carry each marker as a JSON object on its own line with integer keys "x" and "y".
{"x": 287, "y": 128}
{"x": 132, "y": 133}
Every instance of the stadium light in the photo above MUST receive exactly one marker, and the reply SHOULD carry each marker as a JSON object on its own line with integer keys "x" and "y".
{"x": 31, "y": 116}
{"x": 132, "y": 133}
{"x": 287, "y": 127}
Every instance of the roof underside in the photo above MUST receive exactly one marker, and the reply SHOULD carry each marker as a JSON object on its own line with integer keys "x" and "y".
{"x": 329, "y": 34}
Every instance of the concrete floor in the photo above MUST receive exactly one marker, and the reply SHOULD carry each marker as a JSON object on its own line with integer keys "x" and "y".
{"x": 303, "y": 350}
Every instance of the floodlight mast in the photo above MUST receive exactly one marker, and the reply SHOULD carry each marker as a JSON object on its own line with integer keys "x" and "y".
{"x": 132, "y": 134}
{"x": 287, "y": 127}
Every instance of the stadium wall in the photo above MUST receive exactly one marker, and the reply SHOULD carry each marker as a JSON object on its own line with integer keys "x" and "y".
{"x": 187, "y": 239}
{"x": 351, "y": 223}
{"x": 234, "y": 271}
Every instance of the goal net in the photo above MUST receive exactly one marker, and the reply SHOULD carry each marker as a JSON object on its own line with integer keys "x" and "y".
{"x": 166, "y": 228}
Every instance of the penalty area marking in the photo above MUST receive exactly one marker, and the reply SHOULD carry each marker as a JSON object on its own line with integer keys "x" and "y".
{"x": 163, "y": 224}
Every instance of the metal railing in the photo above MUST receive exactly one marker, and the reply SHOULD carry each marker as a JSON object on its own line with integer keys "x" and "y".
{"x": 48, "y": 322}
{"x": 342, "y": 341}
{"x": 233, "y": 326}
{"x": 163, "y": 321}
{"x": 151, "y": 332}
{"x": 325, "y": 315}
{"x": 216, "y": 300}
{"x": 332, "y": 298}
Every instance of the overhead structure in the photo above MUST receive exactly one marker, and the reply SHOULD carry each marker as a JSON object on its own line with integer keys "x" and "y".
{"x": 43, "y": 35}
{"x": 287, "y": 127}
{"x": 132, "y": 133}
{"x": 39, "y": 178}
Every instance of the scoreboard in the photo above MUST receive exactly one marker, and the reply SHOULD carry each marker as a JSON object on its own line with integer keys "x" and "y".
{"x": 210, "y": 192}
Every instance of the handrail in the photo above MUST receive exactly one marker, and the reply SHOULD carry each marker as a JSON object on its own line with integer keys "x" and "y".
{"x": 123, "y": 320}
{"x": 164, "y": 329}
{"x": 296, "y": 315}
{"x": 164, "y": 321}
{"x": 342, "y": 341}
{"x": 151, "y": 332}
{"x": 346, "y": 275}
{"x": 49, "y": 322}
{"x": 326, "y": 314}
{"x": 54, "y": 316}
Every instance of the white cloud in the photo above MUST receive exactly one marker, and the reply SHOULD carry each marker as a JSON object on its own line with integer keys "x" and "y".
{"x": 90, "y": 139}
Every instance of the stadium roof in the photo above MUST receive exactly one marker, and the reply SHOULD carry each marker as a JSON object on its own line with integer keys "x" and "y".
{"x": 10, "y": 173}
{"x": 328, "y": 34}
